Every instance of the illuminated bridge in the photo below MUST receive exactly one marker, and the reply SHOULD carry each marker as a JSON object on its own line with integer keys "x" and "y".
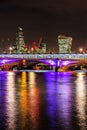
{"x": 58, "y": 60}
{"x": 45, "y": 56}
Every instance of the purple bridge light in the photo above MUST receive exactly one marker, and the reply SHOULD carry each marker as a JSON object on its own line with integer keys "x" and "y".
{"x": 56, "y": 60}
{"x": 4, "y": 61}
{"x": 58, "y": 63}
{"x": 51, "y": 62}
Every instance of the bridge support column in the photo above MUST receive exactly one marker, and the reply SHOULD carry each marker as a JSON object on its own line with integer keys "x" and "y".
{"x": 57, "y": 65}
{"x": 55, "y": 68}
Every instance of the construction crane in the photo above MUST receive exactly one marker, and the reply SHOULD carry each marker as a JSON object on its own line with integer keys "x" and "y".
{"x": 40, "y": 40}
{"x": 37, "y": 45}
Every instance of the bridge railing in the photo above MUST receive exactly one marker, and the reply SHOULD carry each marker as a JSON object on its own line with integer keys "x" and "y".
{"x": 45, "y": 56}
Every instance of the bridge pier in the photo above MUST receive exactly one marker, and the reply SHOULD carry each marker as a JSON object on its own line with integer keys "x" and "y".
{"x": 57, "y": 65}
{"x": 55, "y": 68}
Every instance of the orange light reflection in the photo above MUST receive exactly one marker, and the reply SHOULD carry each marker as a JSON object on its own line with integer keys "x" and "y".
{"x": 24, "y": 101}
{"x": 34, "y": 93}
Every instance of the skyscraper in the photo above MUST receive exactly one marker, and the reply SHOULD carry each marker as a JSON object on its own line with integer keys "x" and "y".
{"x": 42, "y": 47}
{"x": 19, "y": 43}
{"x": 64, "y": 44}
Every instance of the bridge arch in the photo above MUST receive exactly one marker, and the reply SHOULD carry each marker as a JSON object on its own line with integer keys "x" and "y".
{"x": 63, "y": 61}
{"x": 73, "y": 65}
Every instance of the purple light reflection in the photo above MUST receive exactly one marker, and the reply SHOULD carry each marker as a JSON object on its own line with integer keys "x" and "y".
{"x": 3, "y": 94}
{"x": 59, "y": 98}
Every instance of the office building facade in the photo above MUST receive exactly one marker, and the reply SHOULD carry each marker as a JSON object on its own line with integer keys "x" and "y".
{"x": 64, "y": 44}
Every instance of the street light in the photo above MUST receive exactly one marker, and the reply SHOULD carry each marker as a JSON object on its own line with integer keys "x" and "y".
{"x": 32, "y": 50}
{"x": 10, "y": 49}
{"x": 81, "y": 50}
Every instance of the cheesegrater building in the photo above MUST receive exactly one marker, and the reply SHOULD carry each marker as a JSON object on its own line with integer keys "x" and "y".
{"x": 64, "y": 44}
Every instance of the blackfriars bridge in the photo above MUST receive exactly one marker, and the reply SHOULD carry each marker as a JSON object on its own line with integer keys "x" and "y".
{"x": 58, "y": 60}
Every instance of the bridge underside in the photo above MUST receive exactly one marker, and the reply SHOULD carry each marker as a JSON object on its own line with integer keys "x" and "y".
{"x": 63, "y": 64}
{"x": 73, "y": 65}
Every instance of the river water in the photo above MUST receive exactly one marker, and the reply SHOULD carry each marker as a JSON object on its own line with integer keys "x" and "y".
{"x": 43, "y": 100}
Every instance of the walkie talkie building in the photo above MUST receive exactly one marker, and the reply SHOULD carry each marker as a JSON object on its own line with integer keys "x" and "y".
{"x": 64, "y": 44}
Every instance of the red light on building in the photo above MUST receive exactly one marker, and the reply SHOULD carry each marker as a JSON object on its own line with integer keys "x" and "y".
{"x": 35, "y": 46}
{"x": 24, "y": 61}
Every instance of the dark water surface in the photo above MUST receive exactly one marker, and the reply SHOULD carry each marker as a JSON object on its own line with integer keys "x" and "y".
{"x": 43, "y": 100}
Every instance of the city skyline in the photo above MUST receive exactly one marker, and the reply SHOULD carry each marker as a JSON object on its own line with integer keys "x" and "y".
{"x": 36, "y": 44}
{"x": 46, "y": 19}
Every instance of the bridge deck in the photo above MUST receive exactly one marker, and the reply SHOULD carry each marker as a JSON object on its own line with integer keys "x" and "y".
{"x": 45, "y": 56}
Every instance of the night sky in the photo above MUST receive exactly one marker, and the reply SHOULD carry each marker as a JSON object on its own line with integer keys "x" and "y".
{"x": 44, "y": 18}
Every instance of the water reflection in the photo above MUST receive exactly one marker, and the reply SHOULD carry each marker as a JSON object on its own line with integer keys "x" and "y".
{"x": 39, "y": 101}
{"x": 59, "y": 97}
{"x": 24, "y": 101}
{"x": 11, "y": 108}
{"x": 3, "y": 84}
{"x": 30, "y": 101}
{"x": 34, "y": 97}
{"x": 81, "y": 100}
